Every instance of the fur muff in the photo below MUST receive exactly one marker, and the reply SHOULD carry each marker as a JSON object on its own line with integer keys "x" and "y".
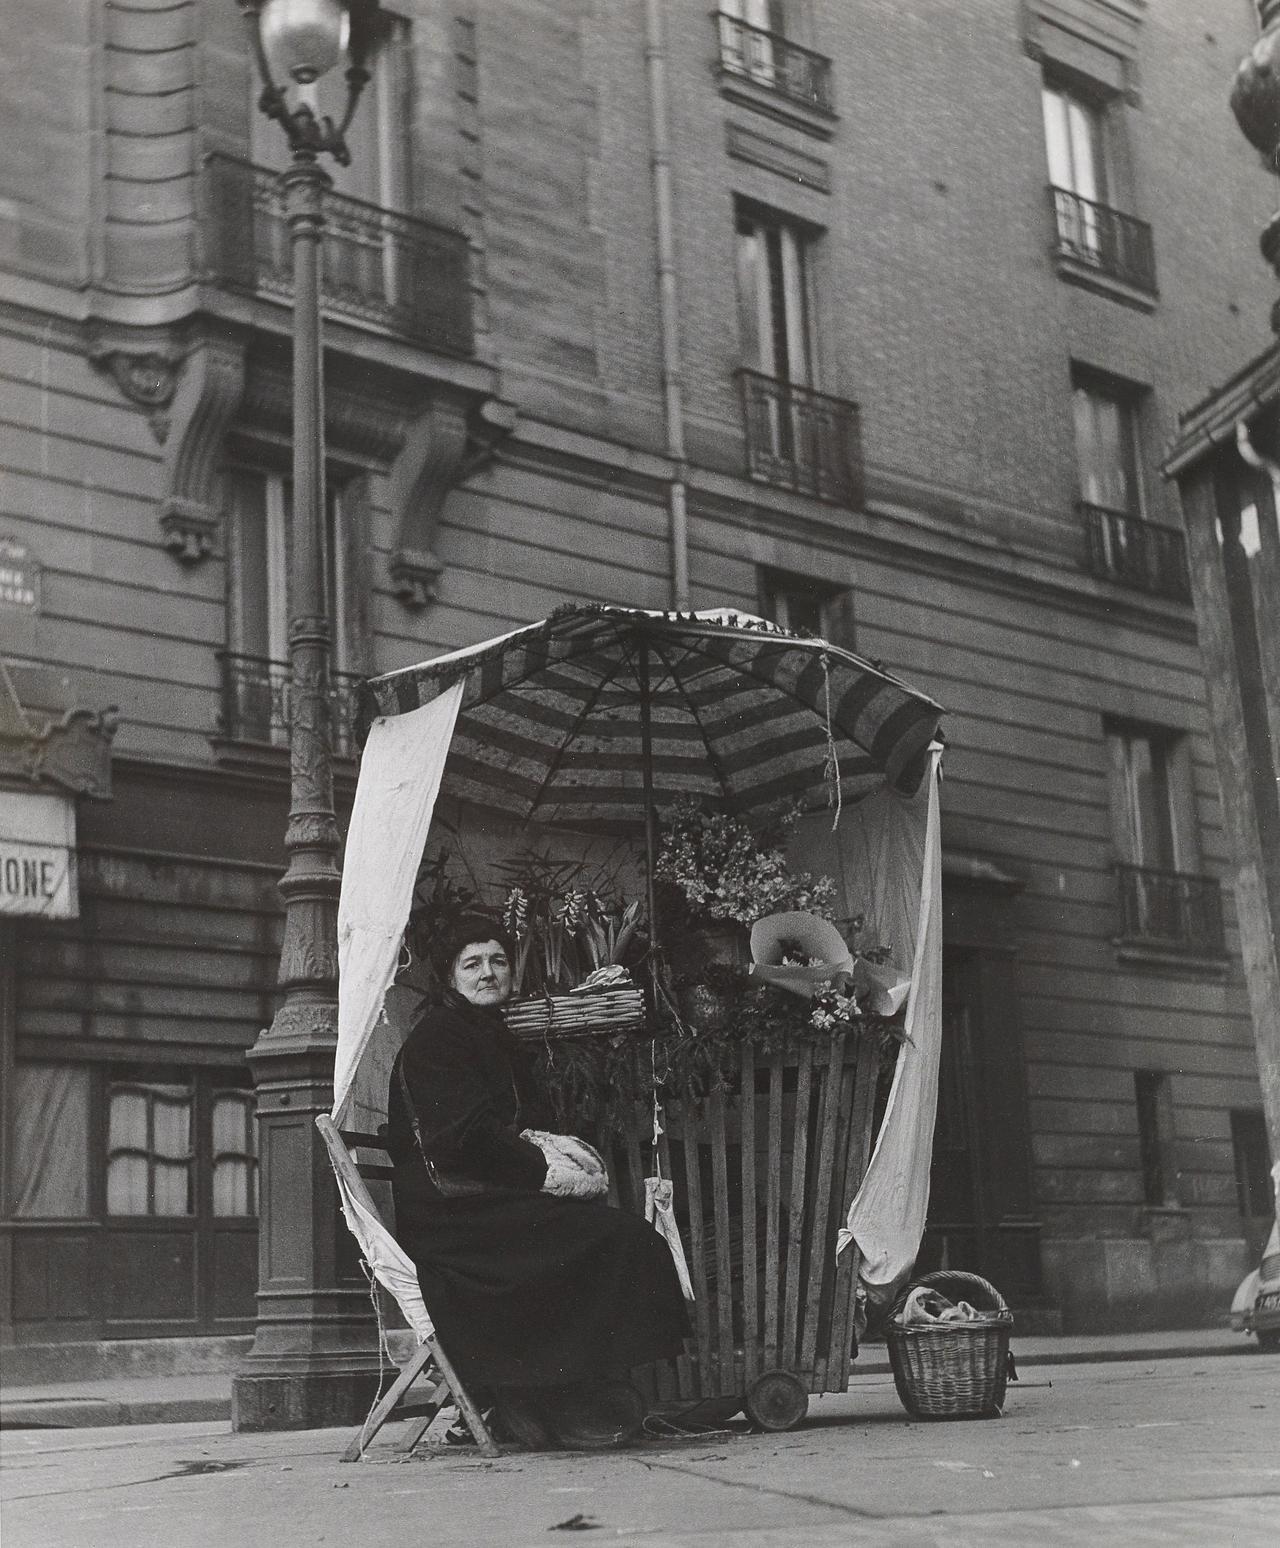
{"x": 574, "y": 1169}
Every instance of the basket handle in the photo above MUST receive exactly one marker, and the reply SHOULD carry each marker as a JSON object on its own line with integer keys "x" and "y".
{"x": 957, "y": 1279}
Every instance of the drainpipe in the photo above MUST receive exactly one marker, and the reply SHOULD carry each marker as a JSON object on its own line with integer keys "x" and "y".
{"x": 655, "y": 55}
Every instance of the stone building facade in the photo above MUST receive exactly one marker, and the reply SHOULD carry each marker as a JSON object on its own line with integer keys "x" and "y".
{"x": 872, "y": 316}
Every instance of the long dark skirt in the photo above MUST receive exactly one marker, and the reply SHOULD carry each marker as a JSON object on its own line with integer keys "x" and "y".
{"x": 531, "y": 1290}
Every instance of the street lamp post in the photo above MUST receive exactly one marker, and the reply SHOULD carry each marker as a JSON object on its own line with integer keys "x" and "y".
{"x": 315, "y": 1355}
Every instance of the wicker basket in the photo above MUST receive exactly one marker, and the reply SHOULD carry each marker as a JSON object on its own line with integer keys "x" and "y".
{"x": 577, "y": 1015}
{"x": 952, "y": 1370}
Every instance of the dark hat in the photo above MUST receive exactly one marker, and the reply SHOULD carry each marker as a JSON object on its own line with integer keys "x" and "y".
{"x": 464, "y": 930}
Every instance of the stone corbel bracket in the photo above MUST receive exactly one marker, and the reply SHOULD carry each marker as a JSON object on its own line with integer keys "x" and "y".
{"x": 144, "y": 363}
{"x": 444, "y": 444}
{"x": 206, "y": 401}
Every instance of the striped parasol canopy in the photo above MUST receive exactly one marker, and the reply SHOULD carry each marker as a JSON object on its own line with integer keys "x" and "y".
{"x": 597, "y": 716}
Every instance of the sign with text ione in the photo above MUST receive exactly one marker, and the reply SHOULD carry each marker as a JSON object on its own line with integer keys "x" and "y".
{"x": 38, "y": 855}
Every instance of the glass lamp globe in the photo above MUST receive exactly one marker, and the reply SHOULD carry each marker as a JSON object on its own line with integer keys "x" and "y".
{"x": 304, "y": 39}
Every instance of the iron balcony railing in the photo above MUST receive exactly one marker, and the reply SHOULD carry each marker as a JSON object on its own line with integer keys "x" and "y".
{"x": 1137, "y": 553}
{"x": 1115, "y": 244}
{"x": 393, "y": 271}
{"x": 774, "y": 62}
{"x": 1171, "y": 909}
{"x": 800, "y": 439}
{"x": 256, "y": 703}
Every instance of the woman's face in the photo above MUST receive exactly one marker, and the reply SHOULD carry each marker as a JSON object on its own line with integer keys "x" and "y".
{"x": 482, "y": 973}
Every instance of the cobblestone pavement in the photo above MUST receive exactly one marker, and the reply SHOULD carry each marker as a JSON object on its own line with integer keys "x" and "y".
{"x": 1179, "y": 1452}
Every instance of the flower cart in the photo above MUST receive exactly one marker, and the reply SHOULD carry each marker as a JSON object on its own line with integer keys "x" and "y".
{"x": 756, "y": 1137}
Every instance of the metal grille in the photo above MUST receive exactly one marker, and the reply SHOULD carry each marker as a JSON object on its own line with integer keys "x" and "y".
{"x": 801, "y": 439}
{"x": 1171, "y": 908}
{"x": 1137, "y": 553}
{"x": 774, "y": 62}
{"x": 1105, "y": 239}
{"x": 256, "y": 703}
{"x": 393, "y": 271}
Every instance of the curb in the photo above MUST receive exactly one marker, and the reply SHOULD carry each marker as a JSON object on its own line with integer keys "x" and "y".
{"x": 74, "y": 1413}
{"x": 78, "y": 1413}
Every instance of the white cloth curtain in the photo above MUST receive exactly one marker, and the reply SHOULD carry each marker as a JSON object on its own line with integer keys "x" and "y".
{"x": 400, "y": 772}
{"x": 886, "y": 1218}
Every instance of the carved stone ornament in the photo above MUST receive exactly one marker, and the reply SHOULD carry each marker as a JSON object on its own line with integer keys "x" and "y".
{"x": 144, "y": 363}
{"x": 443, "y": 445}
{"x": 203, "y": 406}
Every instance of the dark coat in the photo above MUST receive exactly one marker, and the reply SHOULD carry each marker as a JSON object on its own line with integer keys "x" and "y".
{"x": 525, "y": 1289}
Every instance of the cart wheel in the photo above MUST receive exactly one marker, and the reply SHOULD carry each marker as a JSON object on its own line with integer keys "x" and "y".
{"x": 776, "y": 1401}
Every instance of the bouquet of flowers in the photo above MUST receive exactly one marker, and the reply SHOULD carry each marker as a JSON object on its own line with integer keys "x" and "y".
{"x": 727, "y": 872}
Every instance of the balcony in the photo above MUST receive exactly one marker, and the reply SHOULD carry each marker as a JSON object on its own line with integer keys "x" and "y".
{"x": 1140, "y": 554}
{"x": 256, "y": 704}
{"x": 802, "y": 440}
{"x": 1172, "y": 911}
{"x": 1093, "y": 238}
{"x": 384, "y": 270}
{"x": 774, "y": 63}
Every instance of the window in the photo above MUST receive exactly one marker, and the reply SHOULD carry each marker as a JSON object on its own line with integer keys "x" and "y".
{"x": 808, "y": 606}
{"x": 1106, "y": 430}
{"x": 1155, "y": 1138}
{"x": 256, "y": 662}
{"x": 261, "y": 550}
{"x": 1164, "y": 901}
{"x": 1075, "y": 133}
{"x": 1143, "y": 782}
{"x": 774, "y": 307}
{"x": 749, "y": 33}
{"x": 150, "y": 1159}
{"x": 1252, "y": 1155}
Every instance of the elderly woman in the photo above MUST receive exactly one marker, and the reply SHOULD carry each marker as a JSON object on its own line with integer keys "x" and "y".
{"x": 544, "y": 1297}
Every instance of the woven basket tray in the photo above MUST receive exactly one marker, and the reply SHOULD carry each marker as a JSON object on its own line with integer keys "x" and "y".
{"x": 952, "y": 1370}
{"x": 577, "y": 1015}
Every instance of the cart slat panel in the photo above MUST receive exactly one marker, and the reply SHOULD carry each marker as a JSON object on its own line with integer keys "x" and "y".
{"x": 773, "y": 1190}
{"x": 820, "y": 1229}
{"x": 724, "y": 1255}
{"x": 750, "y": 1299}
{"x": 839, "y": 1336}
{"x": 859, "y": 1149}
{"x": 795, "y": 1224}
{"x": 697, "y": 1235}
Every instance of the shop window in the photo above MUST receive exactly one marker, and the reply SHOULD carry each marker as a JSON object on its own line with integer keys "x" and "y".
{"x": 49, "y": 1141}
{"x": 150, "y": 1159}
{"x": 1155, "y": 1138}
{"x": 234, "y": 1154}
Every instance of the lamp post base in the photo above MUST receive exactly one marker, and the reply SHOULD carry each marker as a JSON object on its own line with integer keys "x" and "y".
{"x": 316, "y": 1358}
{"x": 303, "y": 1400}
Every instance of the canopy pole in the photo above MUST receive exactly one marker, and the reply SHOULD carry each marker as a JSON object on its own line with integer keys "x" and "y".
{"x": 650, "y": 819}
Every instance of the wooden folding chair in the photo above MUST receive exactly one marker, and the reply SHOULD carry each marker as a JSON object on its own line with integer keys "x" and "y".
{"x": 392, "y": 1267}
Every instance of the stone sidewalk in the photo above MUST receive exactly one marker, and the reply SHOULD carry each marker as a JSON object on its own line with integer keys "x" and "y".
{"x": 206, "y": 1396}
{"x": 1179, "y": 1452}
